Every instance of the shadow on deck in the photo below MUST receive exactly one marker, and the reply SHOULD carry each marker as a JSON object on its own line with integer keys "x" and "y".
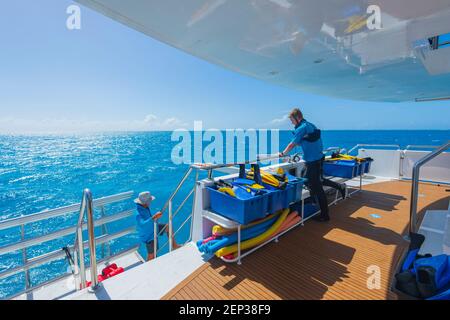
{"x": 331, "y": 260}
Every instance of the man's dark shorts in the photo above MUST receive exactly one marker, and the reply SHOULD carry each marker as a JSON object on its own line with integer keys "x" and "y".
{"x": 150, "y": 245}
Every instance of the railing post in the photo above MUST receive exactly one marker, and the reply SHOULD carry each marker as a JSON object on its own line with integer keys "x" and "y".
{"x": 193, "y": 204}
{"x": 401, "y": 165}
{"x": 155, "y": 238}
{"x": 104, "y": 231}
{"x": 24, "y": 258}
{"x": 170, "y": 226}
{"x": 91, "y": 233}
{"x": 80, "y": 247}
{"x": 76, "y": 269}
{"x": 414, "y": 195}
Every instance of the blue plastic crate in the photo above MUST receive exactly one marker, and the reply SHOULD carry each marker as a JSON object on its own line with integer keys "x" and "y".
{"x": 242, "y": 211}
{"x": 341, "y": 168}
{"x": 289, "y": 195}
{"x": 277, "y": 198}
{"x": 298, "y": 188}
{"x": 281, "y": 198}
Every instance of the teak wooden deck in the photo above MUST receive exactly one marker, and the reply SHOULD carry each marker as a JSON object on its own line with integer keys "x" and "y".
{"x": 323, "y": 260}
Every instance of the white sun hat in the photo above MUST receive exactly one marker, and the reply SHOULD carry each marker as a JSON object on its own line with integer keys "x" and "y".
{"x": 144, "y": 198}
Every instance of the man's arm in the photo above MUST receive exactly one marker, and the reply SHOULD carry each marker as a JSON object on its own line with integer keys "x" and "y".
{"x": 299, "y": 134}
{"x": 289, "y": 147}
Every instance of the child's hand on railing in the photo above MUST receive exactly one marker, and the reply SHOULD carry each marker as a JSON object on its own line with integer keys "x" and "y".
{"x": 157, "y": 215}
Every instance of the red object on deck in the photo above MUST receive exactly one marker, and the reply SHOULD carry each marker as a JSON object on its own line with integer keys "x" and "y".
{"x": 107, "y": 272}
{"x": 115, "y": 272}
{"x": 100, "y": 278}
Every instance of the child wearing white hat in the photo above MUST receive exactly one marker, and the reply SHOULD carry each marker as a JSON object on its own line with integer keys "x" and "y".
{"x": 145, "y": 221}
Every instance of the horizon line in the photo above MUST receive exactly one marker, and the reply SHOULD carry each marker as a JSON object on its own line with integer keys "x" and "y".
{"x": 191, "y": 130}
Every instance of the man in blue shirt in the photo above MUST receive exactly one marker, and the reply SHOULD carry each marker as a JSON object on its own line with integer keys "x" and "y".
{"x": 145, "y": 223}
{"x": 308, "y": 137}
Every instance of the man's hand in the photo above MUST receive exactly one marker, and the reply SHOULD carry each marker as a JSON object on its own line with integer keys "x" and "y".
{"x": 157, "y": 215}
{"x": 280, "y": 154}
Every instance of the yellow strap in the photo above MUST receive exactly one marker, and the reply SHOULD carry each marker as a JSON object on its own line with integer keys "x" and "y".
{"x": 346, "y": 157}
{"x": 228, "y": 191}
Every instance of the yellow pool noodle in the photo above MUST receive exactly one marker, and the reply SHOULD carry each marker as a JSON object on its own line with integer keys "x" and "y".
{"x": 221, "y": 231}
{"x": 257, "y": 240}
{"x": 290, "y": 220}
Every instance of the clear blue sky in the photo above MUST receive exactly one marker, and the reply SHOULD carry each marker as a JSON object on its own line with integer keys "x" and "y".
{"x": 109, "y": 77}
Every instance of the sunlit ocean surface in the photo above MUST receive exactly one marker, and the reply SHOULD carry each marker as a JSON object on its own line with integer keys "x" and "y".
{"x": 44, "y": 172}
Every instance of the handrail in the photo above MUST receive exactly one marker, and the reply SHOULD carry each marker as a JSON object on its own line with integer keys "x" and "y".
{"x": 331, "y": 149}
{"x": 413, "y": 146}
{"x": 177, "y": 211}
{"x": 91, "y": 236}
{"x": 58, "y": 254}
{"x": 45, "y": 283}
{"x": 186, "y": 175}
{"x": 86, "y": 206}
{"x": 46, "y": 214}
{"x": 210, "y": 166}
{"x": 415, "y": 183}
{"x": 169, "y": 205}
{"x": 374, "y": 145}
{"x": 62, "y": 232}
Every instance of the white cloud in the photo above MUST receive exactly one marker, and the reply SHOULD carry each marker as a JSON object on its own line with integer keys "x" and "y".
{"x": 11, "y": 125}
{"x": 155, "y": 123}
{"x": 279, "y": 123}
{"x": 281, "y": 120}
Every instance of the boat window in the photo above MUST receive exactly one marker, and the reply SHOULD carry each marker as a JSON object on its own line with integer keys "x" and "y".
{"x": 444, "y": 40}
{"x": 438, "y": 42}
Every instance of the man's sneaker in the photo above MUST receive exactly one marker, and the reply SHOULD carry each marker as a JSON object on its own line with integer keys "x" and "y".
{"x": 321, "y": 218}
{"x": 343, "y": 190}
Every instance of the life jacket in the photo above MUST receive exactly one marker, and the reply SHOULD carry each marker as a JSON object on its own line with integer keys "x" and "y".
{"x": 310, "y": 137}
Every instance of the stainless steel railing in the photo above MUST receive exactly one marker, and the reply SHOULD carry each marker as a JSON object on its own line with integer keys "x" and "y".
{"x": 415, "y": 184}
{"x": 45, "y": 283}
{"x": 24, "y": 244}
{"x": 86, "y": 208}
{"x": 169, "y": 205}
{"x": 419, "y": 146}
{"x": 374, "y": 145}
{"x": 35, "y": 217}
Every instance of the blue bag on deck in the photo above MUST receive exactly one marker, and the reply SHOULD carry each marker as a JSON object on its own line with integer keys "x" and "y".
{"x": 444, "y": 295}
{"x": 432, "y": 274}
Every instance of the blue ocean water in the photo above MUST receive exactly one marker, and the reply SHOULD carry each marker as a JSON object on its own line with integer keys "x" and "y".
{"x": 44, "y": 172}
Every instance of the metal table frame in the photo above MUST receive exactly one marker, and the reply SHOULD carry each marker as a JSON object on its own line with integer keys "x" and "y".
{"x": 231, "y": 224}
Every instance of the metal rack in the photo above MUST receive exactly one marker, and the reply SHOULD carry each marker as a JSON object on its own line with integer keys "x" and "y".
{"x": 231, "y": 224}
{"x": 196, "y": 167}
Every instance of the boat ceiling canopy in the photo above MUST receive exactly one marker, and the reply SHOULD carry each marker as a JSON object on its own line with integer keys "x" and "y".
{"x": 378, "y": 50}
